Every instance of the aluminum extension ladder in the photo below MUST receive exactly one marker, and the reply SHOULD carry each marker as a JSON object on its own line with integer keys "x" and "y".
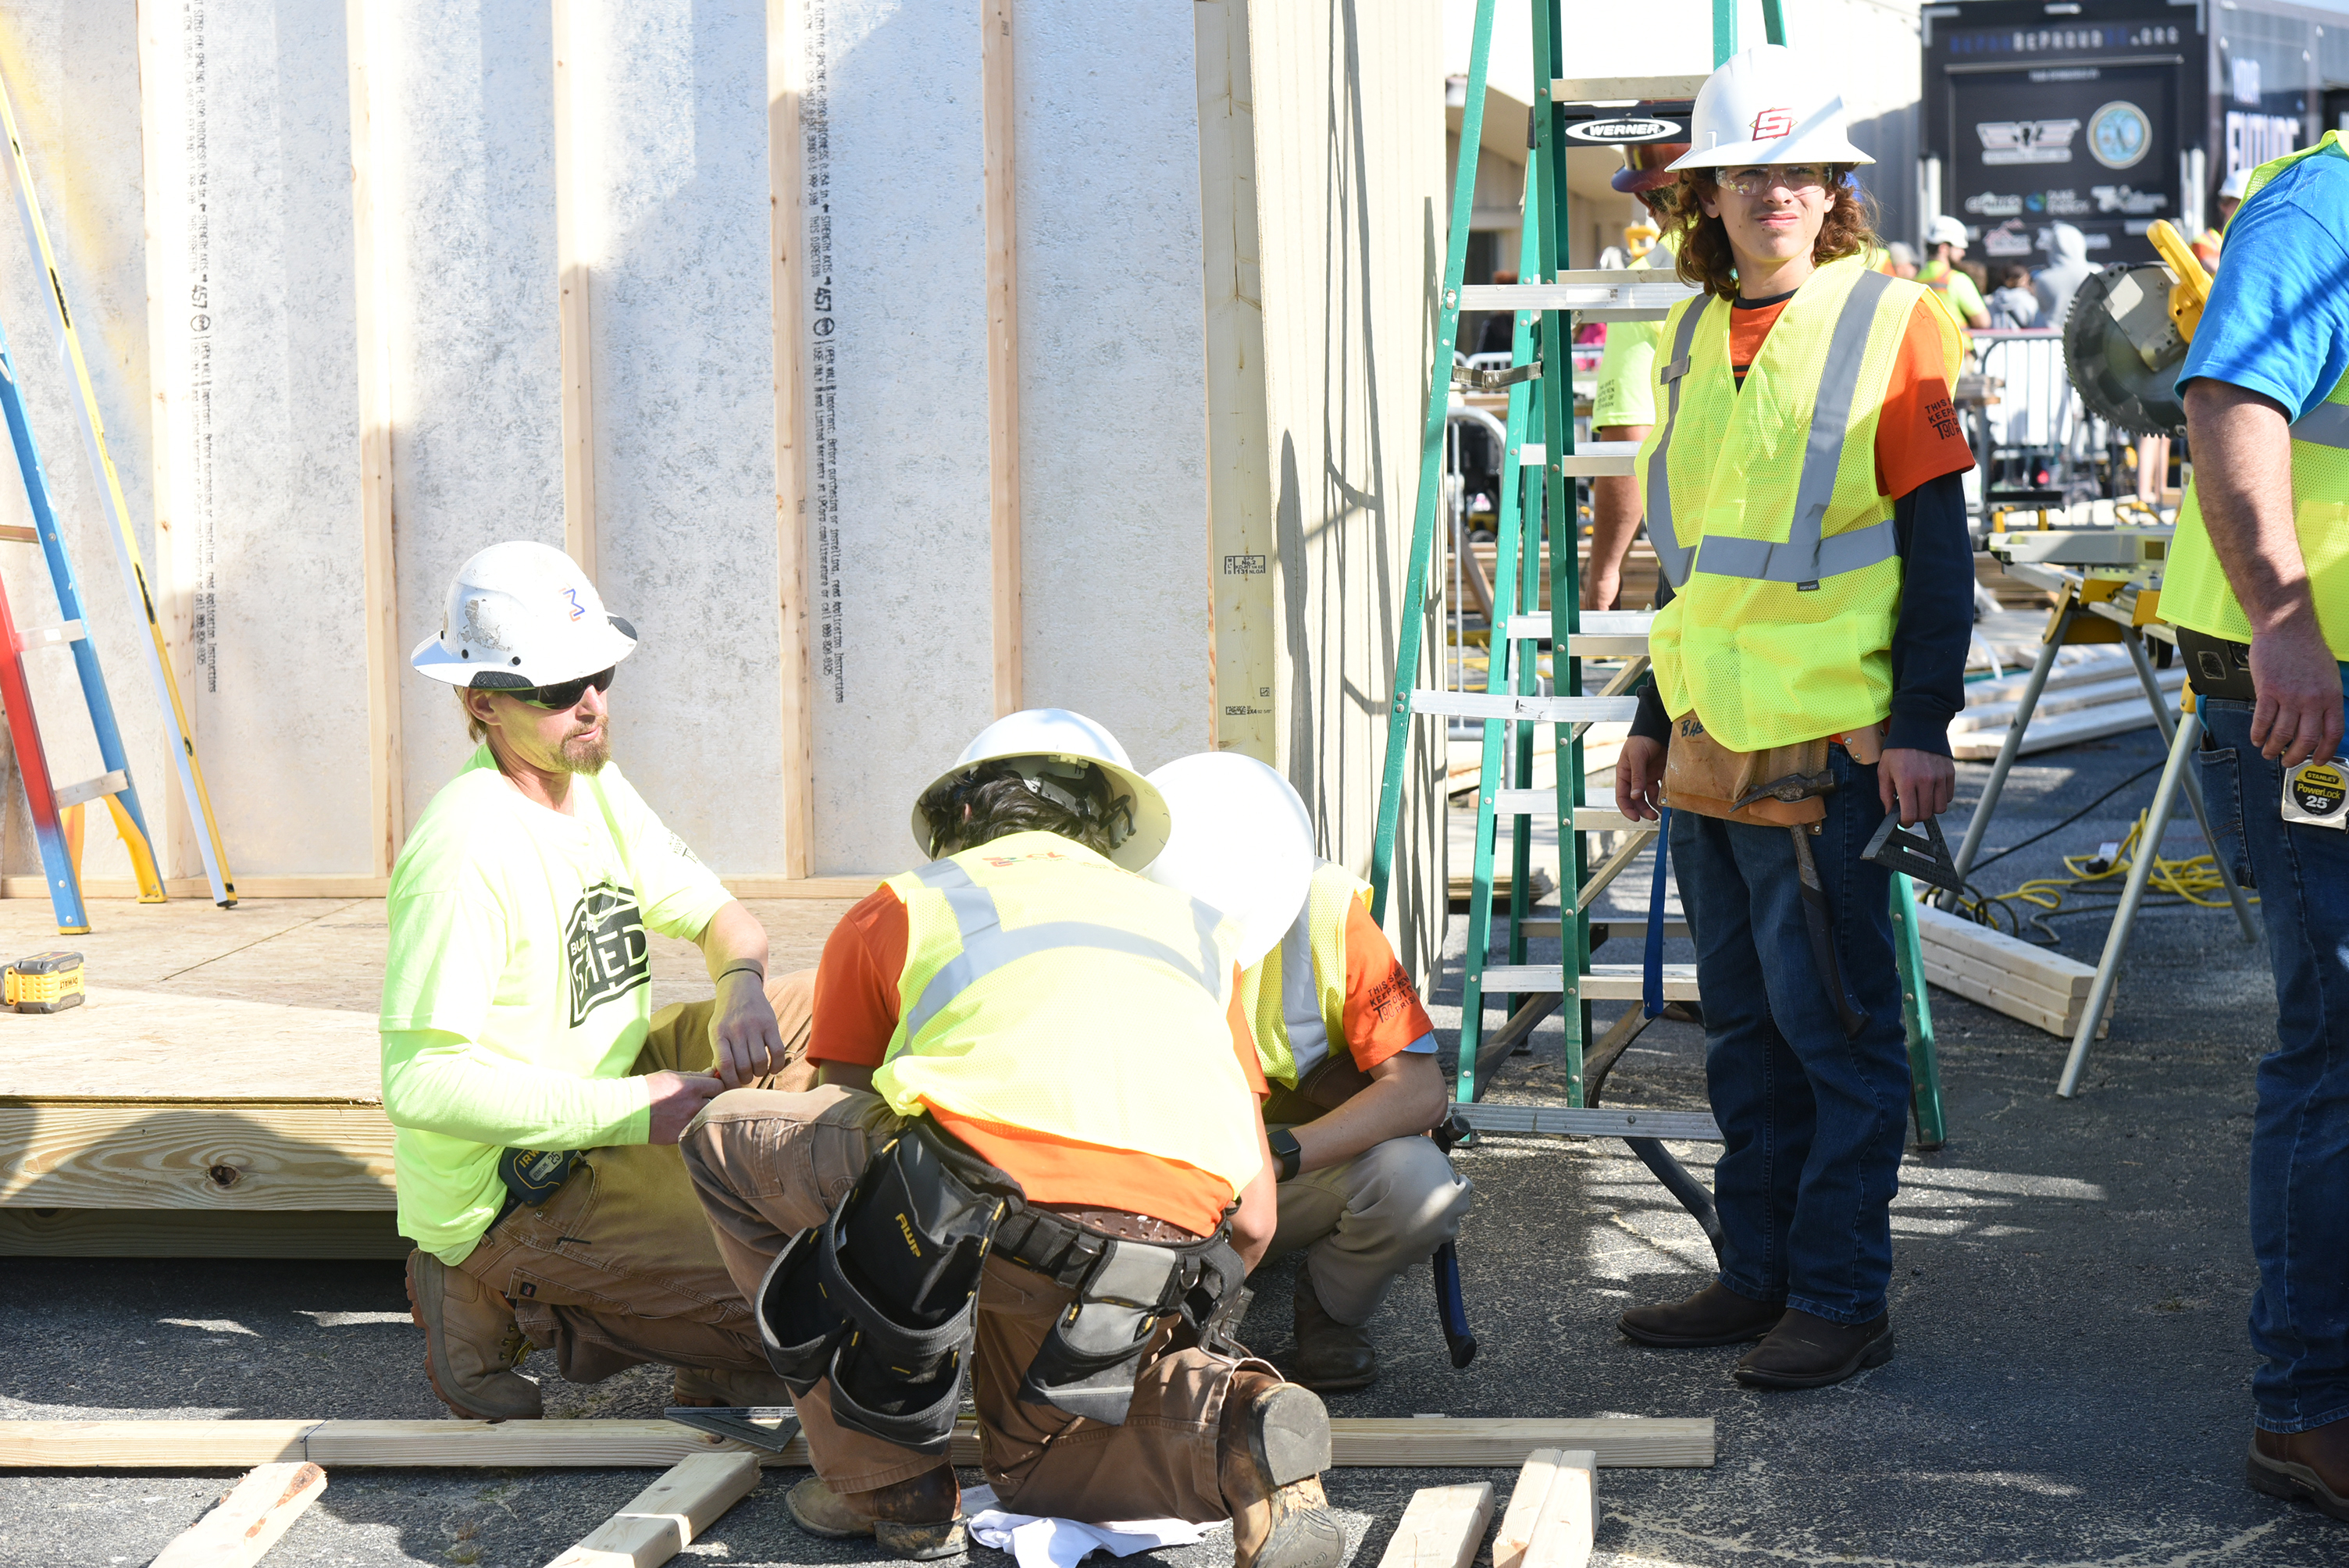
{"x": 1530, "y": 515}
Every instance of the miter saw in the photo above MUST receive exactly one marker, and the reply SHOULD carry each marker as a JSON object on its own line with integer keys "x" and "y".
{"x": 2126, "y": 337}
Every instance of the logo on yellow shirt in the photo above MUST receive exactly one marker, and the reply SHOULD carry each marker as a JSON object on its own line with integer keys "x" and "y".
{"x": 604, "y": 943}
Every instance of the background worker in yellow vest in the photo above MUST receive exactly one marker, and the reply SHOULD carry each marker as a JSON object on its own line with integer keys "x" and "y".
{"x": 1030, "y": 1004}
{"x": 2258, "y": 585}
{"x": 1620, "y": 407}
{"x": 1801, "y": 493}
{"x": 1364, "y": 1195}
{"x": 1948, "y": 238}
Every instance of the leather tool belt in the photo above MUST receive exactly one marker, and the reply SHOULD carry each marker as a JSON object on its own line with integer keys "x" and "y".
{"x": 1703, "y": 775}
{"x": 880, "y": 1301}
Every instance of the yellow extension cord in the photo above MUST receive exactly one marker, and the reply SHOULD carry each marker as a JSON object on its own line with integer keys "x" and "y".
{"x": 2191, "y": 879}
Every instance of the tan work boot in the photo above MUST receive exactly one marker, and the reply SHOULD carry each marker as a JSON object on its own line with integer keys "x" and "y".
{"x": 919, "y": 1519}
{"x": 709, "y": 1388}
{"x": 1270, "y": 1451}
{"x": 471, "y": 1344}
{"x": 1331, "y": 1356}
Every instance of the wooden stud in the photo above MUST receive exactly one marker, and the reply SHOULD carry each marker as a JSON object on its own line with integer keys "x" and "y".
{"x": 571, "y": 194}
{"x": 667, "y": 1516}
{"x": 387, "y": 811}
{"x": 1569, "y": 1516}
{"x": 787, "y": 232}
{"x": 248, "y": 1520}
{"x": 607, "y": 1444}
{"x": 1441, "y": 1528}
{"x": 1000, "y": 114}
{"x": 1525, "y": 1500}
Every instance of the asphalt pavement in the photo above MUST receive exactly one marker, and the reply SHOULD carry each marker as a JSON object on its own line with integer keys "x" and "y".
{"x": 2071, "y": 1389}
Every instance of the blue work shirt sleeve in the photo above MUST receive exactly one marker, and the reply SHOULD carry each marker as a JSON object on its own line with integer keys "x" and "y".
{"x": 2278, "y": 320}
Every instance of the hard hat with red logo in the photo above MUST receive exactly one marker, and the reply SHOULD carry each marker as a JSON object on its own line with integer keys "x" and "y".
{"x": 1768, "y": 105}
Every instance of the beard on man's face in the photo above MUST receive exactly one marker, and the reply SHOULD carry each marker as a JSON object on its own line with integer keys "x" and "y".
{"x": 586, "y": 754}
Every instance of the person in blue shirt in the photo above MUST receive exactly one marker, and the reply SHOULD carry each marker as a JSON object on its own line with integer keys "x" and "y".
{"x": 2258, "y": 584}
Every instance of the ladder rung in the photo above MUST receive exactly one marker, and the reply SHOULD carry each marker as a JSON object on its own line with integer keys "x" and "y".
{"x": 112, "y": 783}
{"x": 1543, "y": 803}
{"x": 1533, "y": 454}
{"x": 1611, "y": 296}
{"x": 50, "y": 636}
{"x": 1533, "y": 625}
{"x": 1599, "y": 460}
{"x": 12, "y": 533}
{"x": 1630, "y": 927}
{"x": 1535, "y": 709}
{"x": 1605, "y": 982}
{"x": 1680, "y": 1126}
{"x": 1624, "y": 89}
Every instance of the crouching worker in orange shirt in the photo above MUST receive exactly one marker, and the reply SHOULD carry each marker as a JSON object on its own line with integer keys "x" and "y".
{"x": 1349, "y": 1051}
{"x": 1038, "y": 1092}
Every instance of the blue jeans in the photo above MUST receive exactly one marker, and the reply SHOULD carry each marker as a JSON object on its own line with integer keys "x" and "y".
{"x": 2299, "y": 1136}
{"x": 1812, "y": 1123}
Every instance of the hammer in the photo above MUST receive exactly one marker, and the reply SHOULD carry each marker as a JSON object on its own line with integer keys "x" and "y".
{"x": 1794, "y": 788}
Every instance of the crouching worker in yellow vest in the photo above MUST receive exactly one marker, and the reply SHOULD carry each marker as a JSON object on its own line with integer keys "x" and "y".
{"x": 536, "y": 1095}
{"x": 1346, "y": 1045}
{"x": 1034, "y": 1158}
{"x": 1801, "y": 491}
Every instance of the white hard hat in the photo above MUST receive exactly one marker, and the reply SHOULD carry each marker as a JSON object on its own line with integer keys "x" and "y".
{"x": 1946, "y": 230}
{"x": 1767, "y": 105}
{"x": 2232, "y": 189}
{"x": 520, "y": 616}
{"x": 1053, "y": 747}
{"x": 1243, "y": 844}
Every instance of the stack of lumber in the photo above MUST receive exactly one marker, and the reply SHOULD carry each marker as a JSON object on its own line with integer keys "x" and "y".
{"x": 2006, "y": 976}
{"x": 2086, "y": 698}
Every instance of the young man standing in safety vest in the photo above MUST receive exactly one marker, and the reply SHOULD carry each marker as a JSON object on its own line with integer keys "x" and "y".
{"x": 1066, "y": 1027}
{"x": 1351, "y": 1056}
{"x": 1802, "y": 493}
{"x": 1942, "y": 274}
{"x": 2258, "y": 585}
{"x": 528, "y": 1079}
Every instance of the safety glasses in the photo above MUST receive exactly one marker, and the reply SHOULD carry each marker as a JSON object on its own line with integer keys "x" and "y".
{"x": 565, "y": 693}
{"x": 1802, "y": 178}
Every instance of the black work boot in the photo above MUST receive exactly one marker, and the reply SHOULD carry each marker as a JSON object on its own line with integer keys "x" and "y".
{"x": 1714, "y": 1316}
{"x": 2312, "y": 1467}
{"x": 920, "y": 1519}
{"x": 1331, "y": 1356}
{"x": 1809, "y": 1352}
{"x": 1271, "y": 1451}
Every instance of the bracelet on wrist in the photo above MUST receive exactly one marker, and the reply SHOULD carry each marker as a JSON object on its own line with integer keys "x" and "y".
{"x": 746, "y": 968}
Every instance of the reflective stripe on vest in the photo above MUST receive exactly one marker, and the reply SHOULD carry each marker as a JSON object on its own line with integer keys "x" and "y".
{"x": 1804, "y": 556}
{"x": 986, "y": 946}
{"x": 1672, "y": 555}
{"x": 1296, "y": 996}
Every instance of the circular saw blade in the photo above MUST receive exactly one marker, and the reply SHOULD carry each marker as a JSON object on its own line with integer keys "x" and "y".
{"x": 2106, "y": 364}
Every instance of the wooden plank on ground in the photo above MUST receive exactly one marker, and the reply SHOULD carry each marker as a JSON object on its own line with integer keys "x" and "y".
{"x": 1441, "y": 1528}
{"x": 1525, "y": 1510}
{"x": 248, "y": 1520}
{"x": 669, "y": 1515}
{"x": 126, "y": 1155}
{"x": 1569, "y": 1516}
{"x": 1620, "y": 1443}
{"x": 2018, "y": 978}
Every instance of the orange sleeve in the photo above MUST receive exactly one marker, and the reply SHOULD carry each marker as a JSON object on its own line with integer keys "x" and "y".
{"x": 856, "y": 983}
{"x": 1382, "y": 1010}
{"x": 1244, "y": 1042}
{"x": 1918, "y": 438}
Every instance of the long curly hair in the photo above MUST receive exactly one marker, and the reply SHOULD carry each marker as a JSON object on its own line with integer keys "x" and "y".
{"x": 1706, "y": 262}
{"x": 993, "y": 800}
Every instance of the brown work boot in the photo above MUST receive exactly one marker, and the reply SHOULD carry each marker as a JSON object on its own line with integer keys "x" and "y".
{"x": 1331, "y": 1356}
{"x": 919, "y": 1519}
{"x": 472, "y": 1344}
{"x": 1809, "y": 1352}
{"x": 2311, "y": 1467}
{"x": 1270, "y": 1452}
{"x": 706, "y": 1387}
{"x": 1714, "y": 1316}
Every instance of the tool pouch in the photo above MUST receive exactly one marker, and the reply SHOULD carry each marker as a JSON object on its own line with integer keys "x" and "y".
{"x": 531, "y": 1176}
{"x": 1703, "y": 775}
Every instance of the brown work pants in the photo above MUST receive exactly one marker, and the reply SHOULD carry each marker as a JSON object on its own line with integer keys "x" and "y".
{"x": 618, "y": 1267}
{"x": 770, "y": 1165}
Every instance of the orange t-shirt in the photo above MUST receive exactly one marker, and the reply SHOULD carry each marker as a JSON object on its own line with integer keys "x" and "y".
{"x": 1383, "y": 1012}
{"x": 856, "y": 1013}
{"x": 1917, "y": 437}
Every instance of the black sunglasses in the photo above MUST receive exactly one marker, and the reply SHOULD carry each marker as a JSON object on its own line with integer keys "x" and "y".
{"x": 565, "y": 693}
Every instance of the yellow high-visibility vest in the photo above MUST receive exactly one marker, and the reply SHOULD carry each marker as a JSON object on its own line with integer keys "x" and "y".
{"x": 1764, "y": 514}
{"x": 1045, "y": 988}
{"x": 2194, "y": 589}
{"x": 1296, "y": 995}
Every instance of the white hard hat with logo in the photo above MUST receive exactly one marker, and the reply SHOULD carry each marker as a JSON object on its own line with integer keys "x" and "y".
{"x": 1052, "y": 748}
{"x": 520, "y": 616}
{"x": 1768, "y": 105}
{"x": 1243, "y": 845}
{"x": 1947, "y": 231}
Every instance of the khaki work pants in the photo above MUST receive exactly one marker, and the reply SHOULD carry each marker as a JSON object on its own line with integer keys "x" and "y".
{"x": 619, "y": 1268}
{"x": 1361, "y": 1223}
{"x": 770, "y": 1165}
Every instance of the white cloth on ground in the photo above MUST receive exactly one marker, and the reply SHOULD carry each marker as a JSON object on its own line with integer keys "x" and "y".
{"x": 1045, "y": 1542}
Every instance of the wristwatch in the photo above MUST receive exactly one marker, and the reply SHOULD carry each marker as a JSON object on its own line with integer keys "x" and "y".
{"x": 1284, "y": 1147}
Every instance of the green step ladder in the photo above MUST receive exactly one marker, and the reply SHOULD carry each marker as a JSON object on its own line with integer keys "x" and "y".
{"x": 1538, "y": 512}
